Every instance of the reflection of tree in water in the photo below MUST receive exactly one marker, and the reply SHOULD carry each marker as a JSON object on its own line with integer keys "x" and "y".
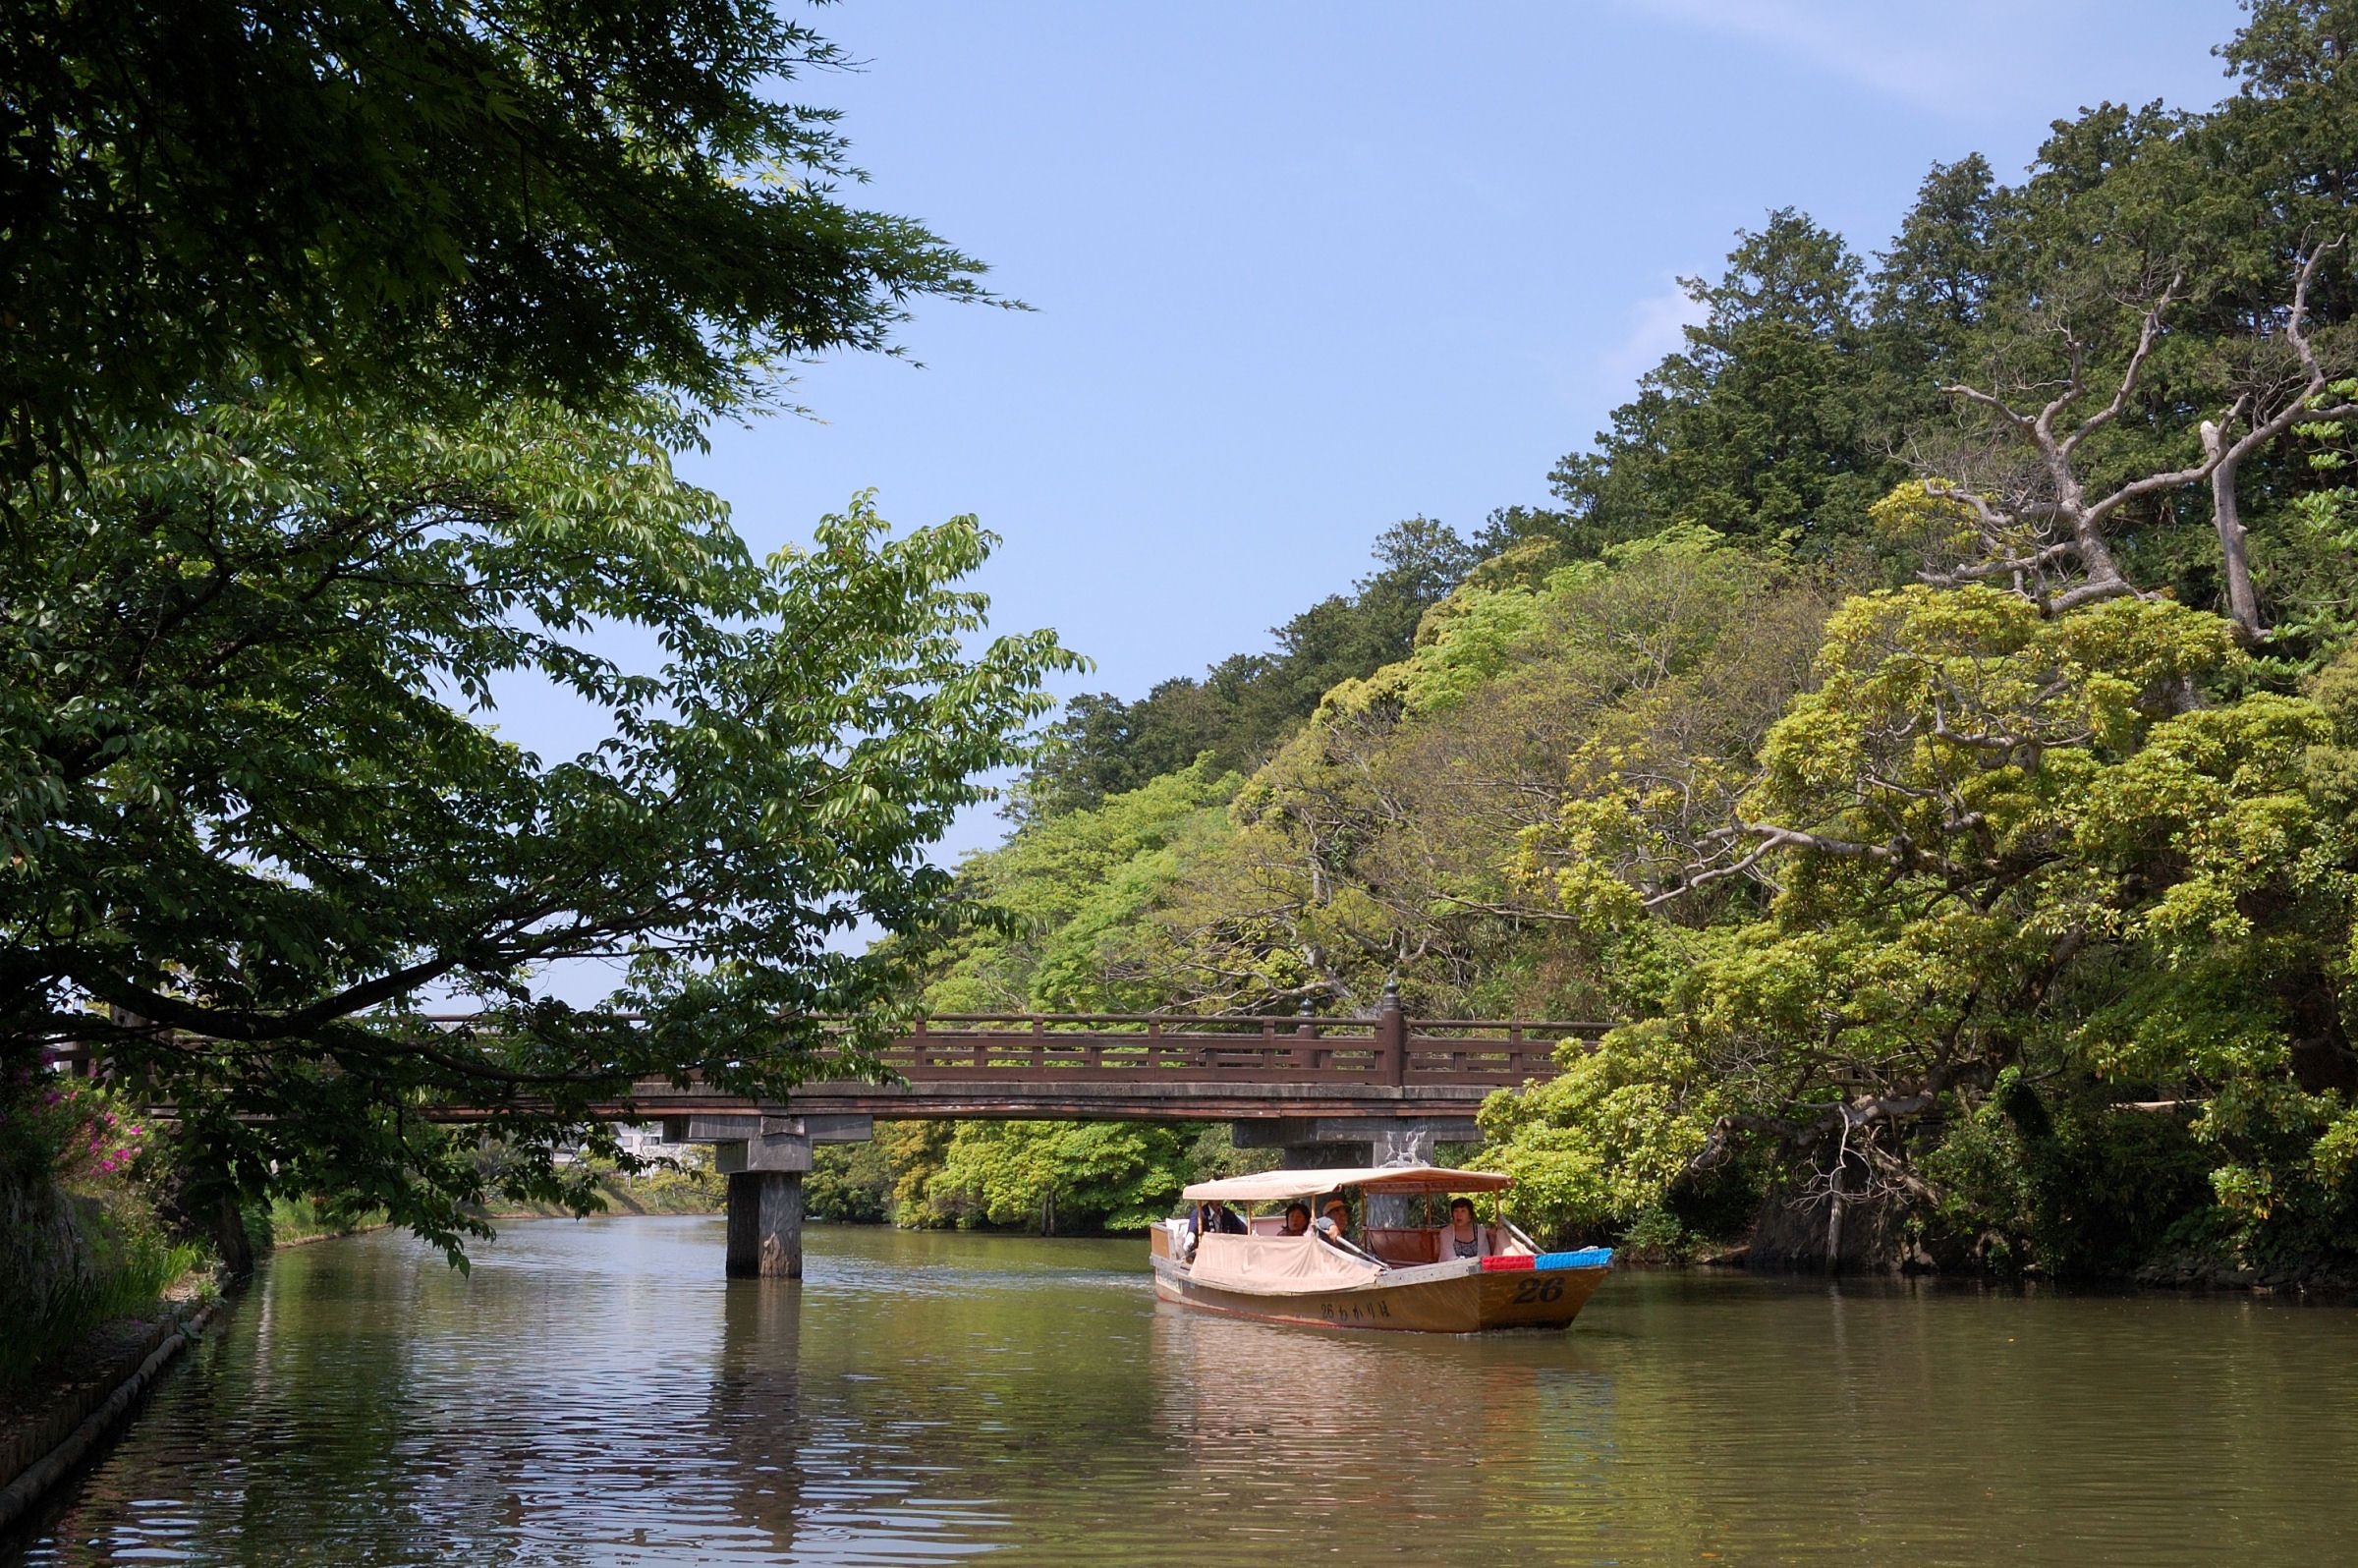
{"x": 973, "y": 1406}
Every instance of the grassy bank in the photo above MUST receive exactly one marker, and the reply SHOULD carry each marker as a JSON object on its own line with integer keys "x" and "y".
{"x": 694, "y": 1191}
{"x": 119, "y": 1272}
{"x": 85, "y": 1233}
{"x": 295, "y": 1221}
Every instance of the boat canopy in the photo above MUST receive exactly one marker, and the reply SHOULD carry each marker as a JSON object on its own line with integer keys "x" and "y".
{"x": 1277, "y": 1186}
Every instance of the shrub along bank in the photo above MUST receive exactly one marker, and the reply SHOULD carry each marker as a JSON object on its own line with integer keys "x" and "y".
{"x": 82, "y": 1238}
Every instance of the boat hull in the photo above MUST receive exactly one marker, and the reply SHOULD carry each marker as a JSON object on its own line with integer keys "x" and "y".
{"x": 1442, "y": 1299}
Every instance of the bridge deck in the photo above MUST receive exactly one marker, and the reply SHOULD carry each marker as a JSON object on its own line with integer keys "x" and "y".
{"x": 1155, "y": 1068}
{"x": 1116, "y": 1067}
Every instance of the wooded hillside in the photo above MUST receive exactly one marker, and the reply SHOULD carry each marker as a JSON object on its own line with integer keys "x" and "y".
{"x": 1926, "y": 719}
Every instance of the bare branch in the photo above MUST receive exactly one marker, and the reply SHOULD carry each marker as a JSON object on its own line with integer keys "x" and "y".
{"x": 1990, "y": 401}
{"x": 2147, "y": 331}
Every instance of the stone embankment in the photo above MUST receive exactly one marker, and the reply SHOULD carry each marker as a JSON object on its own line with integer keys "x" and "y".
{"x": 56, "y": 1418}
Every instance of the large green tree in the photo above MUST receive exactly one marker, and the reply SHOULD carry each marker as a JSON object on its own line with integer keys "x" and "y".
{"x": 459, "y": 196}
{"x": 1247, "y": 704}
{"x": 1767, "y": 426}
{"x": 345, "y": 347}
{"x": 2005, "y": 864}
{"x": 256, "y": 812}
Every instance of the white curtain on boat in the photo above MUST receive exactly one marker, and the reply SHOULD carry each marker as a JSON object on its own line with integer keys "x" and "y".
{"x": 1276, "y": 1265}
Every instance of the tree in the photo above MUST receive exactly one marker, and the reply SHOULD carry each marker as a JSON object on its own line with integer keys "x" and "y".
{"x": 1060, "y": 1175}
{"x": 1080, "y": 890}
{"x": 1932, "y": 291}
{"x": 2003, "y": 860}
{"x": 490, "y": 199}
{"x": 2039, "y": 528}
{"x": 1247, "y": 703}
{"x": 1077, "y": 888}
{"x": 1765, "y": 425}
{"x": 1375, "y": 843}
{"x": 252, "y": 806}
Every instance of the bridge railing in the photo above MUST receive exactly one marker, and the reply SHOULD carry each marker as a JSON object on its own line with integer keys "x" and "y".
{"x": 1388, "y": 1048}
{"x": 1058, "y": 1047}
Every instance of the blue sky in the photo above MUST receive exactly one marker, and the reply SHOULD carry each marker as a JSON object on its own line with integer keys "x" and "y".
{"x": 1299, "y": 271}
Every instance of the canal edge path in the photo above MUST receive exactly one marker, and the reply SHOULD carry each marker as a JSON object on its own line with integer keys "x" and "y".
{"x": 48, "y": 1448}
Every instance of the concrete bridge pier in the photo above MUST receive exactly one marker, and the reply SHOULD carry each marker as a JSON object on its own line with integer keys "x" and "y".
{"x": 764, "y": 1159}
{"x": 1313, "y": 1143}
{"x": 765, "y": 1224}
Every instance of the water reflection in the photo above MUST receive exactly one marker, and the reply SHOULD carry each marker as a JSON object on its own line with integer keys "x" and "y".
{"x": 751, "y": 1416}
{"x": 597, "y": 1394}
{"x": 1380, "y": 1438}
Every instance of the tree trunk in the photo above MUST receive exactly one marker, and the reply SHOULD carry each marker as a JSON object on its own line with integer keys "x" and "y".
{"x": 1802, "y": 1227}
{"x": 2243, "y": 601}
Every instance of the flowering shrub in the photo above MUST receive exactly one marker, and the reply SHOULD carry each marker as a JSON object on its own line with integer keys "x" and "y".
{"x": 82, "y": 1131}
{"x": 80, "y": 1238}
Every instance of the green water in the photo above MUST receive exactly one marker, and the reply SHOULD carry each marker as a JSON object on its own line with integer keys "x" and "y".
{"x": 595, "y": 1393}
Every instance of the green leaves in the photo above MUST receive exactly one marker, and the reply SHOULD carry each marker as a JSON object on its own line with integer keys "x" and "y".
{"x": 253, "y": 791}
{"x": 1766, "y": 426}
{"x": 1998, "y": 843}
{"x": 461, "y": 204}
{"x": 1058, "y": 1173}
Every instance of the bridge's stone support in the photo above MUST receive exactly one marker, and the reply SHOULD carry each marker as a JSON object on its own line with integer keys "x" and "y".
{"x": 764, "y": 1159}
{"x": 1314, "y": 1143}
{"x": 765, "y": 1224}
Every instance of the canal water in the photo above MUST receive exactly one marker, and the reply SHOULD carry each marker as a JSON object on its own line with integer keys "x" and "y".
{"x": 594, "y": 1393}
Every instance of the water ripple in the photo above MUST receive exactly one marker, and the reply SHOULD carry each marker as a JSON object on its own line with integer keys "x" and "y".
{"x": 596, "y": 1394}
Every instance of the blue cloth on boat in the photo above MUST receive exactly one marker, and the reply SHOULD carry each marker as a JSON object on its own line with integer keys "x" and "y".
{"x": 1585, "y": 1258}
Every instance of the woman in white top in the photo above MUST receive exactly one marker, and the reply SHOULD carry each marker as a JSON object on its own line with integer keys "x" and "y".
{"x": 1461, "y": 1237}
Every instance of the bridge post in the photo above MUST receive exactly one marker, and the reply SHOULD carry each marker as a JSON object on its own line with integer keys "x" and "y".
{"x": 765, "y": 1224}
{"x": 764, "y": 1156}
{"x": 1305, "y": 1054}
{"x": 1391, "y": 1036}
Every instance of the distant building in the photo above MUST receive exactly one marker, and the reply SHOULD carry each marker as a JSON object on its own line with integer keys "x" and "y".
{"x": 646, "y": 1140}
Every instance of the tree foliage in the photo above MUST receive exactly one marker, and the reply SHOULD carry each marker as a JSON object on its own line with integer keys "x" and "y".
{"x": 1377, "y": 842}
{"x": 347, "y": 347}
{"x": 1247, "y": 703}
{"x": 1766, "y": 426}
{"x": 255, "y": 808}
{"x": 1052, "y": 1174}
{"x": 461, "y": 201}
{"x": 2007, "y": 915}
{"x": 2000, "y": 854}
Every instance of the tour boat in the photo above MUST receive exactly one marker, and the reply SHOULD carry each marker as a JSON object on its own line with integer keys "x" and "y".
{"x": 1394, "y": 1276}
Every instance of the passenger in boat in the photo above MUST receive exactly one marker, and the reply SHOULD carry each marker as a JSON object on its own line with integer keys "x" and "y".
{"x": 1297, "y": 1219}
{"x": 1220, "y": 1220}
{"x": 1463, "y": 1238}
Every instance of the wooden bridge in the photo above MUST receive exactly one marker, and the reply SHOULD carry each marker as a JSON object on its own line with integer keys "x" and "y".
{"x": 1328, "y": 1092}
{"x": 1160, "y": 1067}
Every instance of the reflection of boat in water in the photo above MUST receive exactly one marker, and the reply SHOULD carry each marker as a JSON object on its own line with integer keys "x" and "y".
{"x": 1402, "y": 1277}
